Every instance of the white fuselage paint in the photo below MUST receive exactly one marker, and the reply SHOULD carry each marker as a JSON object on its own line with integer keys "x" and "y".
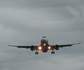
{"x": 44, "y": 41}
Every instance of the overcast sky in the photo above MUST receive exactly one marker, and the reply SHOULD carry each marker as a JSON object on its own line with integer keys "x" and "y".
{"x": 23, "y": 22}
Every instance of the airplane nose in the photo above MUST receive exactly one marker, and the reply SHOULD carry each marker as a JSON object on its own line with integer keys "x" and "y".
{"x": 44, "y": 39}
{"x": 44, "y": 44}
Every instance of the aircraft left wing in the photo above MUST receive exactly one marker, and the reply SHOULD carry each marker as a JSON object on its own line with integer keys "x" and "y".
{"x": 65, "y": 45}
{"x": 68, "y": 45}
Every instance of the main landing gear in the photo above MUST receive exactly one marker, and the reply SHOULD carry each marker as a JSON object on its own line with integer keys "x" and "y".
{"x": 36, "y": 53}
{"x": 52, "y": 52}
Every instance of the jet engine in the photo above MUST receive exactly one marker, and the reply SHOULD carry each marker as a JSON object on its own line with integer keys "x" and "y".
{"x": 57, "y": 47}
{"x": 32, "y": 48}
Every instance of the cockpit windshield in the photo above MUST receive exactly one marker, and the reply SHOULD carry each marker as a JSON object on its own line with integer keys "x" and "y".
{"x": 44, "y": 37}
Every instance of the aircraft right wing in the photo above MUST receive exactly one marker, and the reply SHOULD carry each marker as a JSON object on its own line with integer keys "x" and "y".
{"x": 23, "y": 46}
{"x": 20, "y": 46}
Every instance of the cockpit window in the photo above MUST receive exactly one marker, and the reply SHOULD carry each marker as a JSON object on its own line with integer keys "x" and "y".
{"x": 44, "y": 37}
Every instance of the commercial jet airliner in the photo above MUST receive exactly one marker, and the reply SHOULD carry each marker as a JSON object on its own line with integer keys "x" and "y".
{"x": 44, "y": 46}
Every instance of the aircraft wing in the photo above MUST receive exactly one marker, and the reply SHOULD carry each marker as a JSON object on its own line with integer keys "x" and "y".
{"x": 23, "y": 46}
{"x": 20, "y": 46}
{"x": 65, "y": 45}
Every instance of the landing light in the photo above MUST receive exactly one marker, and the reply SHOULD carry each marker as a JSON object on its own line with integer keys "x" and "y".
{"x": 39, "y": 47}
{"x": 49, "y": 47}
{"x": 44, "y": 44}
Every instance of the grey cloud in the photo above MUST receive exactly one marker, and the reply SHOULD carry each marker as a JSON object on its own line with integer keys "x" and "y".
{"x": 49, "y": 63}
{"x": 41, "y": 4}
{"x": 24, "y": 22}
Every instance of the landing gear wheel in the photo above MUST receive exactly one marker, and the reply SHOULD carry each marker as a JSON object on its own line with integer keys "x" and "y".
{"x": 36, "y": 53}
{"x": 52, "y": 52}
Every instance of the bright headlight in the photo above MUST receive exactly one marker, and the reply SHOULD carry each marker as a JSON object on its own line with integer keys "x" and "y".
{"x": 40, "y": 48}
{"x": 49, "y": 47}
{"x": 44, "y": 44}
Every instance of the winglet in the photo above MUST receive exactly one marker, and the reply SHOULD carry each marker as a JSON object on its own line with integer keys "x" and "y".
{"x": 12, "y": 45}
{"x": 78, "y": 43}
{"x": 8, "y": 44}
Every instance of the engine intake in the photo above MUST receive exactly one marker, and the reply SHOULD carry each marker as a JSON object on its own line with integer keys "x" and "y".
{"x": 32, "y": 48}
{"x": 57, "y": 47}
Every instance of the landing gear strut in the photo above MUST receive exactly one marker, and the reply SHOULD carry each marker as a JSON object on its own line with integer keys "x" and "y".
{"x": 36, "y": 52}
{"x": 52, "y": 52}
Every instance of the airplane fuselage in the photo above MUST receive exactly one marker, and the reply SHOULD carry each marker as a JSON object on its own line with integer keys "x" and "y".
{"x": 44, "y": 41}
{"x": 44, "y": 44}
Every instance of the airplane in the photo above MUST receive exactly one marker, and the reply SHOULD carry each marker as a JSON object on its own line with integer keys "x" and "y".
{"x": 44, "y": 46}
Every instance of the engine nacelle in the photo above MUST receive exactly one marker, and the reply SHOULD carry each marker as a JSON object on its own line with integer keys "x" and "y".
{"x": 32, "y": 48}
{"x": 57, "y": 47}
